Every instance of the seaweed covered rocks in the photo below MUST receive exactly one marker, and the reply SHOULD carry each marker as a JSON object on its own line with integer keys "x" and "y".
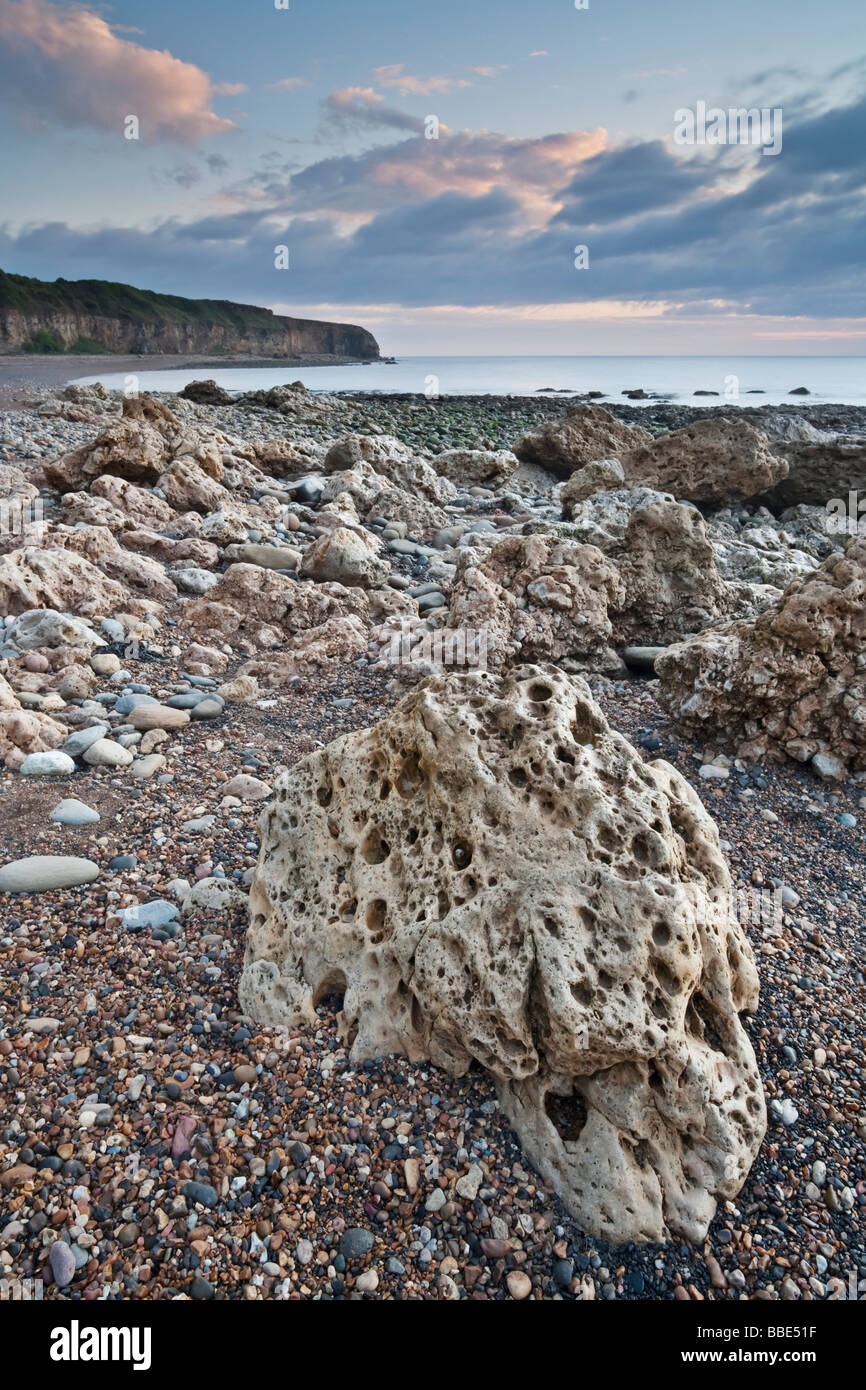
{"x": 492, "y": 874}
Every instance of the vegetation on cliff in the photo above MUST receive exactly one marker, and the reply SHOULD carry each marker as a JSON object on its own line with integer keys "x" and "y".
{"x": 47, "y": 301}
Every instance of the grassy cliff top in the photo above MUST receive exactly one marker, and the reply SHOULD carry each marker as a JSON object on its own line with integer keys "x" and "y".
{"x": 110, "y": 300}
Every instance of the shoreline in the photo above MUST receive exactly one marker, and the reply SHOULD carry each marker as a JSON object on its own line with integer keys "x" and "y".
{"x": 23, "y": 372}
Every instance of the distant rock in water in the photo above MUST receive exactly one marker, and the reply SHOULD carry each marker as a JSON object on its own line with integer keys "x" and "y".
{"x": 800, "y": 391}
{"x": 86, "y": 316}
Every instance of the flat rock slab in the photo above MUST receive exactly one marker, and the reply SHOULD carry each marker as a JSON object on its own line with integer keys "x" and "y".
{"x": 42, "y": 872}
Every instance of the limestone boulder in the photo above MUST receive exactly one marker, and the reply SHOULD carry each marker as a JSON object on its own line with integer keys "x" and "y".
{"x": 493, "y": 875}
{"x": 721, "y": 460}
{"x": 602, "y": 475}
{"x": 127, "y": 448}
{"x": 142, "y": 508}
{"x": 137, "y": 572}
{"x": 476, "y": 467}
{"x": 393, "y": 461}
{"x": 584, "y": 434}
{"x": 255, "y": 608}
{"x": 170, "y": 551}
{"x": 188, "y": 488}
{"x": 14, "y": 485}
{"x": 83, "y": 509}
{"x": 791, "y": 682}
{"x": 33, "y": 577}
{"x": 287, "y": 458}
{"x": 344, "y": 556}
{"x": 421, "y": 517}
{"x": 37, "y": 628}
{"x": 823, "y": 464}
{"x": 538, "y": 598}
{"x": 668, "y": 568}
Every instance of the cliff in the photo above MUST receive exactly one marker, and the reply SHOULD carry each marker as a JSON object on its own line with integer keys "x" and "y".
{"x": 99, "y": 316}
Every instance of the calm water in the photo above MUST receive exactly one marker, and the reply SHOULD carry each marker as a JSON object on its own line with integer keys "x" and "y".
{"x": 841, "y": 380}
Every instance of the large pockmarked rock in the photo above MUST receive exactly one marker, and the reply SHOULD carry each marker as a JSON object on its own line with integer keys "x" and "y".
{"x": 493, "y": 875}
{"x": 536, "y": 598}
{"x": 793, "y": 681}
{"x": 719, "y": 460}
{"x": 585, "y": 433}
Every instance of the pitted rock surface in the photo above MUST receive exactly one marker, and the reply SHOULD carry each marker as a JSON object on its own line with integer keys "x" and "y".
{"x": 790, "y": 682}
{"x": 493, "y": 875}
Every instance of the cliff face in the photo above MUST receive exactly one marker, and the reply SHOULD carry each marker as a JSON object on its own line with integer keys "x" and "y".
{"x": 56, "y": 317}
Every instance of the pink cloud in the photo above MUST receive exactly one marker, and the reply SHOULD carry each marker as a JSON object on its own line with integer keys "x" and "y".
{"x": 394, "y": 75}
{"x": 69, "y": 66}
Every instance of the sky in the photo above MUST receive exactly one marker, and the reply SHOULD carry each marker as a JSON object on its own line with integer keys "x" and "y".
{"x": 432, "y": 169}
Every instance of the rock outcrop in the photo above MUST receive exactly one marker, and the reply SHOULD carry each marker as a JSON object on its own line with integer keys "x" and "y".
{"x": 476, "y": 467}
{"x": 792, "y": 682}
{"x": 720, "y": 460}
{"x": 585, "y": 433}
{"x": 493, "y": 875}
{"x": 603, "y": 475}
{"x": 536, "y": 598}
{"x": 822, "y": 464}
{"x": 668, "y": 568}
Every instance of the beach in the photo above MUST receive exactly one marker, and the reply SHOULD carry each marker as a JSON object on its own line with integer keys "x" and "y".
{"x": 181, "y": 1146}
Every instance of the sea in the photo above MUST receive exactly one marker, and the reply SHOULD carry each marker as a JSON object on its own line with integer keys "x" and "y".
{"x": 746, "y": 381}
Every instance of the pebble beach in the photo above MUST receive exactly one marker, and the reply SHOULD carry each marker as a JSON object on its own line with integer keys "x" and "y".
{"x": 158, "y": 1143}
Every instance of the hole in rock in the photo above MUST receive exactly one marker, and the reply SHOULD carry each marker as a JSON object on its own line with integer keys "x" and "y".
{"x": 567, "y": 1114}
{"x": 517, "y": 777}
{"x": 374, "y": 850}
{"x": 700, "y": 1021}
{"x": 666, "y": 978}
{"x": 410, "y": 778}
{"x": 332, "y": 988}
{"x": 375, "y": 915}
{"x": 461, "y": 854}
{"x": 540, "y": 693}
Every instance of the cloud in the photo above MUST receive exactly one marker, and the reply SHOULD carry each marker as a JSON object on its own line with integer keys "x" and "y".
{"x": 70, "y": 67}
{"x": 491, "y": 72}
{"x": 291, "y": 84}
{"x": 230, "y": 89}
{"x": 363, "y": 108}
{"x": 395, "y": 75}
{"x": 479, "y": 219}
